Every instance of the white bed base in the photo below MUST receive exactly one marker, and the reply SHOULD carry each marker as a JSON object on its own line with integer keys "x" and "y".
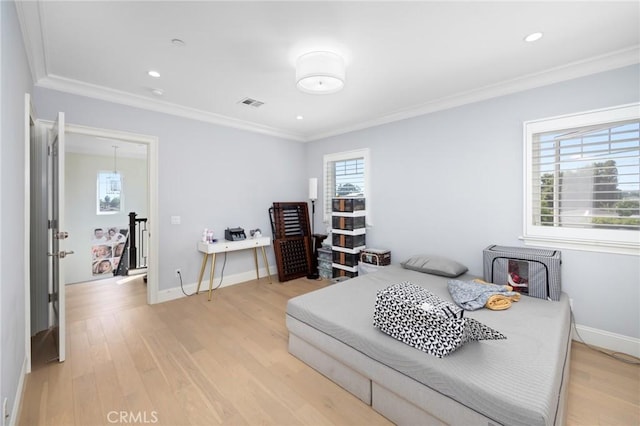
{"x": 396, "y": 396}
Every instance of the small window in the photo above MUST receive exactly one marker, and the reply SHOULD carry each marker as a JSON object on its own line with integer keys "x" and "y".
{"x": 346, "y": 175}
{"x": 583, "y": 180}
{"x": 109, "y": 193}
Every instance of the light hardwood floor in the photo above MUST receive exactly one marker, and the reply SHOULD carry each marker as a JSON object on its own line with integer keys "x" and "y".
{"x": 193, "y": 362}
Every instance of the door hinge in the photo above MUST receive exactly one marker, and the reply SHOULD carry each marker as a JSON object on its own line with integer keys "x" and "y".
{"x": 51, "y": 224}
{"x": 50, "y": 297}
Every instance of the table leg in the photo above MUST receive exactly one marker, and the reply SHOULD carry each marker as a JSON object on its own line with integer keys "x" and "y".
{"x": 205, "y": 257}
{"x": 255, "y": 259}
{"x": 213, "y": 268}
{"x": 266, "y": 264}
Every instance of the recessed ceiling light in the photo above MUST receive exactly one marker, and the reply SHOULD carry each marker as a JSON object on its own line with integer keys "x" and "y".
{"x": 533, "y": 37}
{"x": 157, "y": 92}
{"x": 299, "y": 117}
{"x": 153, "y": 73}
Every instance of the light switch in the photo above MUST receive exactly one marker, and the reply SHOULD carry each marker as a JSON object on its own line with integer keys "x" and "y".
{"x": 175, "y": 220}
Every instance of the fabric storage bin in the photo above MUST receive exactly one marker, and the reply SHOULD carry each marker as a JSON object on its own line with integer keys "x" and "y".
{"x": 347, "y": 222}
{"x": 533, "y": 272}
{"x": 347, "y": 204}
{"x": 376, "y": 256}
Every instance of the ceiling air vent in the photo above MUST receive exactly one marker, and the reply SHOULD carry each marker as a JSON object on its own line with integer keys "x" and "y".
{"x": 251, "y": 102}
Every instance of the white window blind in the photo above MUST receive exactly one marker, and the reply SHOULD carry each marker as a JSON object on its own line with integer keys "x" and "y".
{"x": 584, "y": 180}
{"x": 345, "y": 175}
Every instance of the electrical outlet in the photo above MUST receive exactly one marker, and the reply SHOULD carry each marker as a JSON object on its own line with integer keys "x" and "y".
{"x": 5, "y": 411}
{"x": 178, "y": 272}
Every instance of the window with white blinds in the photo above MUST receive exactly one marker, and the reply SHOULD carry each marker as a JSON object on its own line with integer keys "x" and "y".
{"x": 583, "y": 180}
{"x": 345, "y": 175}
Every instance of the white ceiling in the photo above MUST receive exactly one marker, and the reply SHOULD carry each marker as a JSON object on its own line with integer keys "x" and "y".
{"x": 94, "y": 145}
{"x": 404, "y": 58}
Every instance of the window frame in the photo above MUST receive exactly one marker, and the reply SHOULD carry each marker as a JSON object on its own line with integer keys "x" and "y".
{"x": 342, "y": 156}
{"x": 588, "y": 239}
{"x": 100, "y": 174}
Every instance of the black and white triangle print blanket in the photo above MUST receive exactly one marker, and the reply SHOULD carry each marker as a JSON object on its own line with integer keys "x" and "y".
{"x": 421, "y": 319}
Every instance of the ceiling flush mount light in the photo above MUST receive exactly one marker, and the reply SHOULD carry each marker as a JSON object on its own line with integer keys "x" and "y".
{"x": 320, "y": 73}
{"x": 154, "y": 74}
{"x": 533, "y": 37}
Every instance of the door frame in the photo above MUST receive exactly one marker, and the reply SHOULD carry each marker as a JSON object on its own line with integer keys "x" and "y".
{"x": 41, "y": 128}
{"x": 30, "y": 131}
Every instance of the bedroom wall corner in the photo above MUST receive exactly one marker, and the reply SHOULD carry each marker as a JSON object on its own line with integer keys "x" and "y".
{"x": 450, "y": 183}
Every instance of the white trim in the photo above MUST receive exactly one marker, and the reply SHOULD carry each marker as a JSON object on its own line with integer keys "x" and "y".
{"x": 618, "y": 59}
{"x": 583, "y": 245}
{"x": 152, "y": 176}
{"x": 76, "y": 87}
{"x": 31, "y": 26}
{"x": 32, "y": 31}
{"x": 365, "y": 153}
{"x": 29, "y": 118}
{"x": 228, "y": 280}
{"x": 607, "y": 340}
{"x": 17, "y": 399}
{"x": 598, "y": 240}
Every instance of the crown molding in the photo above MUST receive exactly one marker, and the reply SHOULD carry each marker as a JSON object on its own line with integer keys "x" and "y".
{"x": 610, "y": 61}
{"x": 31, "y": 27}
{"x": 29, "y": 17}
{"x": 110, "y": 95}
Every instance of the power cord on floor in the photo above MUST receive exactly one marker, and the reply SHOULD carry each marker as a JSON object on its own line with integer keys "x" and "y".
{"x": 224, "y": 263}
{"x": 620, "y": 356}
{"x": 181, "y": 286}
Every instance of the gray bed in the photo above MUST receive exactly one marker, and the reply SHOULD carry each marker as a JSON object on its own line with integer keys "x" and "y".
{"x": 518, "y": 381}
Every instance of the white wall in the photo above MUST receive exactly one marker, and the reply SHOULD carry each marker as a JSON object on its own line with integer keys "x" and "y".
{"x": 211, "y": 176}
{"x": 80, "y": 206}
{"x": 15, "y": 82}
{"x": 451, "y": 183}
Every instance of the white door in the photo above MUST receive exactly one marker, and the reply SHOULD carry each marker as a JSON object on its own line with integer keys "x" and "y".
{"x": 58, "y": 235}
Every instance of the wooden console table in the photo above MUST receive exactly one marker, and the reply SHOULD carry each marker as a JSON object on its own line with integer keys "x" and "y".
{"x": 210, "y": 249}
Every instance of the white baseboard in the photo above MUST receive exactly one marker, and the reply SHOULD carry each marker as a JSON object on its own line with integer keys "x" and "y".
{"x": 607, "y": 340}
{"x": 176, "y": 292}
{"x": 14, "y": 411}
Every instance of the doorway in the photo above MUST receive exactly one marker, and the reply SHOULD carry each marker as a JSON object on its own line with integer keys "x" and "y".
{"x": 87, "y": 136}
{"x": 106, "y": 179}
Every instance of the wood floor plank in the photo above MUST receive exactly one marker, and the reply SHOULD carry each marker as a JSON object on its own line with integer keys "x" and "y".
{"x": 225, "y": 362}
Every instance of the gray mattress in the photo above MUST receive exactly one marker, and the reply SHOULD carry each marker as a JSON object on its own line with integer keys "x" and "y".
{"x": 515, "y": 381}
